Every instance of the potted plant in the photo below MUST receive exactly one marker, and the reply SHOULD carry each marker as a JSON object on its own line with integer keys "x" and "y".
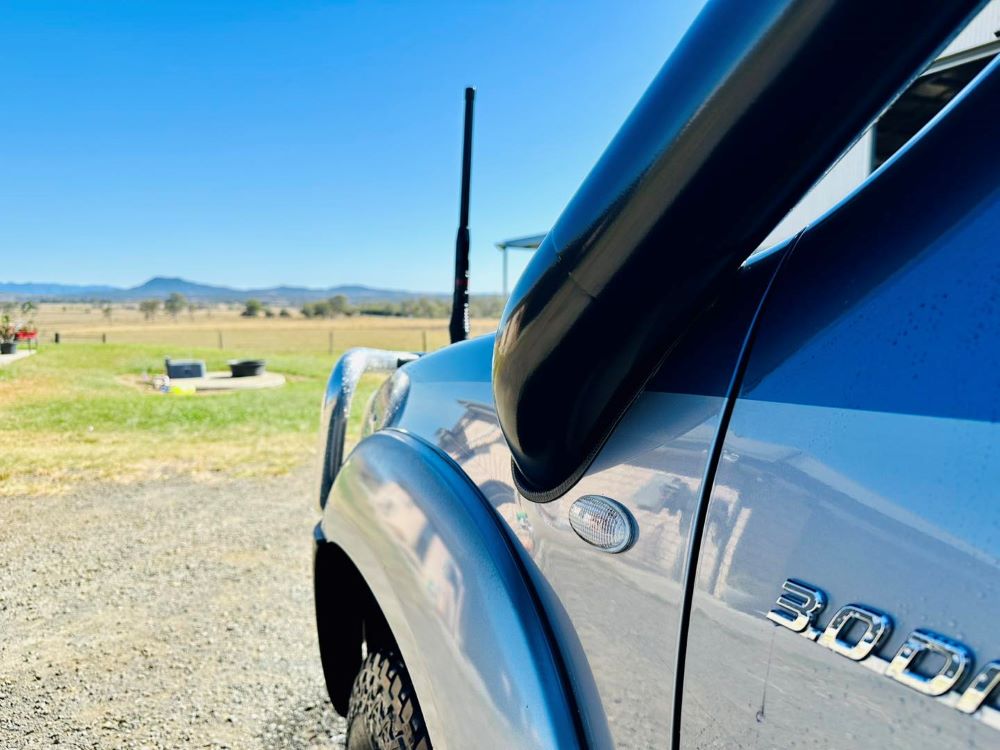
{"x": 8, "y": 335}
{"x": 26, "y": 334}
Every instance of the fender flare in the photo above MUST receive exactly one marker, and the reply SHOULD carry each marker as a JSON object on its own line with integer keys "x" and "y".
{"x": 456, "y": 596}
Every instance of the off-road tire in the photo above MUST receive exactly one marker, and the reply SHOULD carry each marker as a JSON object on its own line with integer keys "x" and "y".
{"x": 384, "y": 713}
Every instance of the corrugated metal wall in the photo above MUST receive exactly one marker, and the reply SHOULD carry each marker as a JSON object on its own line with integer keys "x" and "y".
{"x": 854, "y": 166}
{"x": 982, "y": 30}
{"x": 852, "y": 169}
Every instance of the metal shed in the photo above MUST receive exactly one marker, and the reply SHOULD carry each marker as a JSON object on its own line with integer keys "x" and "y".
{"x": 958, "y": 64}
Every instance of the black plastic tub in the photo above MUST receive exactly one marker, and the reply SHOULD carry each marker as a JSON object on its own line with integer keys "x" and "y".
{"x": 246, "y": 368}
{"x": 178, "y": 369}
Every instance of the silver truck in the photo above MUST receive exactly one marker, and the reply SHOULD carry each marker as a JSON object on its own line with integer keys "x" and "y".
{"x": 694, "y": 493}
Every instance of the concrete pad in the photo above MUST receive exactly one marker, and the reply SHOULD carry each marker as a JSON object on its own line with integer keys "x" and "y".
{"x": 6, "y": 359}
{"x": 224, "y": 381}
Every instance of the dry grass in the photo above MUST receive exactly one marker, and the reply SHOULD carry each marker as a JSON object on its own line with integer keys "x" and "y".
{"x": 73, "y": 413}
{"x": 223, "y": 327}
{"x": 52, "y": 463}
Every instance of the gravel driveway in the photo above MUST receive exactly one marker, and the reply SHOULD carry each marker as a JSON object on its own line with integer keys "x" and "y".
{"x": 162, "y": 615}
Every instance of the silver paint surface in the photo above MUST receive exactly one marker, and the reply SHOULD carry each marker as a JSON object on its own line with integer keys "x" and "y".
{"x": 835, "y": 497}
{"x": 454, "y": 594}
{"x": 623, "y": 609}
{"x": 863, "y": 456}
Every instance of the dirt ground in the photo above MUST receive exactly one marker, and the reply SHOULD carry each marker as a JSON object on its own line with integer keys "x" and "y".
{"x": 162, "y": 615}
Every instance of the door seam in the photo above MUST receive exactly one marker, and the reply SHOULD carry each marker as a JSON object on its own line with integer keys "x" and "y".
{"x": 701, "y": 512}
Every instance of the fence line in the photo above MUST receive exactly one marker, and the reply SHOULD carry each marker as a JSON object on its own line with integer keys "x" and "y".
{"x": 60, "y": 337}
{"x": 274, "y": 339}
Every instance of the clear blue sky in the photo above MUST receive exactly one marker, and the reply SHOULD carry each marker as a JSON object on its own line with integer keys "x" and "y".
{"x": 255, "y": 143}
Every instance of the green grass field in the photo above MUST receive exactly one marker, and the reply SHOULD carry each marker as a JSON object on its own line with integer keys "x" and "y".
{"x": 79, "y": 412}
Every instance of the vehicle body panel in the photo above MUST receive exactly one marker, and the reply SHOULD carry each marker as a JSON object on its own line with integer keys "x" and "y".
{"x": 831, "y": 416}
{"x": 734, "y": 129}
{"x": 623, "y": 609}
{"x": 863, "y": 456}
{"x": 442, "y": 570}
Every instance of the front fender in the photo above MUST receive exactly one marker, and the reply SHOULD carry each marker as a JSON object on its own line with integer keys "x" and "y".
{"x": 456, "y": 596}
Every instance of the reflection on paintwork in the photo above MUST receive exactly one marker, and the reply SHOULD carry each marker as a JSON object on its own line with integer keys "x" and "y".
{"x": 928, "y": 662}
{"x": 799, "y": 507}
{"x": 653, "y": 465}
{"x": 453, "y": 594}
{"x": 863, "y": 455}
{"x": 617, "y": 616}
{"x": 415, "y": 535}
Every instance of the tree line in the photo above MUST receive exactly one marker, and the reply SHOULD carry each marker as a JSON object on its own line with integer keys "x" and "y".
{"x": 484, "y": 306}
{"x": 174, "y": 305}
{"x": 480, "y": 306}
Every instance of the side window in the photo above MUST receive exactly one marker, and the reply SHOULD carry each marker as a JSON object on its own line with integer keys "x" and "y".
{"x": 918, "y": 105}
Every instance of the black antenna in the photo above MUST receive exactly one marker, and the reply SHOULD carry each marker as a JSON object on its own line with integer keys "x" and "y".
{"x": 459, "y": 325}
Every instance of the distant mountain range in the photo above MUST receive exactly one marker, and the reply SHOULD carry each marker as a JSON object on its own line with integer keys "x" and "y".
{"x": 160, "y": 287}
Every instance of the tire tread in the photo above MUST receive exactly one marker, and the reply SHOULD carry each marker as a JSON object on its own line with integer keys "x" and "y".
{"x": 384, "y": 713}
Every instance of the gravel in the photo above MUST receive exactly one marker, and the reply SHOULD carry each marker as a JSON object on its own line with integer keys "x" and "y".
{"x": 162, "y": 615}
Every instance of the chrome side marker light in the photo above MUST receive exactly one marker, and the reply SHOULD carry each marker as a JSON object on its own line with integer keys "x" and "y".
{"x": 603, "y": 523}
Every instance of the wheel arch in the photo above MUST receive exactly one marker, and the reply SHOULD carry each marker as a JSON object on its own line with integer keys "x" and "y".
{"x": 344, "y": 621}
{"x": 407, "y": 540}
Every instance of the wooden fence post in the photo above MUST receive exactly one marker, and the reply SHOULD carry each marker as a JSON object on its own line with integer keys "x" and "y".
{"x": 57, "y": 337}
{"x": 104, "y": 338}
{"x": 424, "y": 336}
{"x": 330, "y": 345}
